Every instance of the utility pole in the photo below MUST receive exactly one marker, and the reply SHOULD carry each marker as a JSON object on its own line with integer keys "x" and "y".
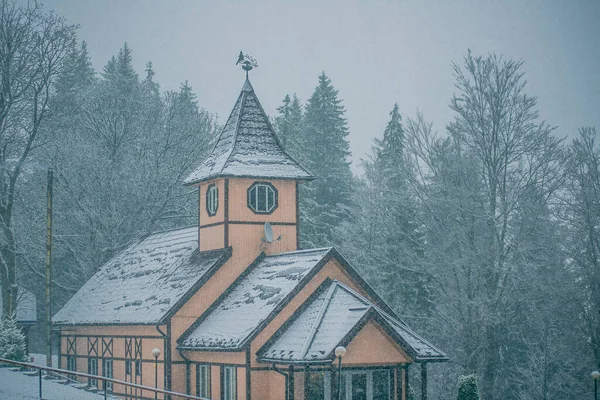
{"x": 49, "y": 271}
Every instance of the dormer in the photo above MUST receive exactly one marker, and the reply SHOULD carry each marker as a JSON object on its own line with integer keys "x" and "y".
{"x": 246, "y": 181}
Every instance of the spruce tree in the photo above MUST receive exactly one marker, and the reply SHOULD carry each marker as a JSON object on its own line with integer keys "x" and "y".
{"x": 12, "y": 340}
{"x": 288, "y": 125}
{"x": 326, "y": 201}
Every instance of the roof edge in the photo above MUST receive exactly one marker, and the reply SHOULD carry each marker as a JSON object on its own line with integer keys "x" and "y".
{"x": 219, "y": 262}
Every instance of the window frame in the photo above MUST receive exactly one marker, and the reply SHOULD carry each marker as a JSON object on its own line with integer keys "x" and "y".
{"x": 72, "y": 365}
{"x": 251, "y": 196}
{"x": 212, "y": 198}
{"x": 207, "y": 377}
{"x": 93, "y": 361}
{"x": 228, "y": 386}
{"x": 105, "y": 363}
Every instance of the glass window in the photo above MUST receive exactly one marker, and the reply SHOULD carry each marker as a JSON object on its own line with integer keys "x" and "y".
{"x": 71, "y": 365}
{"x": 212, "y": 199}
{"x": 381, "y": 385}
{"x": 138, "y": 367}
{"x": 262, "y": 198}
{"x": 127, "y": 367}
{"x": 315, "y": 389}
{"x": 107, "y": 372}
{"x": 202, "y": 380}
{"x": 359, "y": 386}
{"x": 92, "y": 370}
{"x": 229, "y": 383}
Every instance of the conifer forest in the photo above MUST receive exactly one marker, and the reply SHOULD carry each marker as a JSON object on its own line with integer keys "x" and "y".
{"x": 485, "y": 234}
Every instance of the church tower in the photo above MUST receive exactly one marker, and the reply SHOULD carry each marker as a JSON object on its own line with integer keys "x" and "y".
{"x": 246, "y": 181}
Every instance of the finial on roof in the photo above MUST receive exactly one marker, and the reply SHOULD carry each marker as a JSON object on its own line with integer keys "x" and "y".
{"x": 248, "y": 62}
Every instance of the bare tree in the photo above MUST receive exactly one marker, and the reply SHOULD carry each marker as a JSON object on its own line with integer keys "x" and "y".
{"x": 33, "y": 45}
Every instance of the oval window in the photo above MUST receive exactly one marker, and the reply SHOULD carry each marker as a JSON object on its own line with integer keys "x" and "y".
{"x": 212, "y": 199}
{"x": 262, "y": 198}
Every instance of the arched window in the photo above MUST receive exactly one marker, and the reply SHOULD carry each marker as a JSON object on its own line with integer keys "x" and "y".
{"x": 212, "y": 199}
{"x": 262, "y": 198}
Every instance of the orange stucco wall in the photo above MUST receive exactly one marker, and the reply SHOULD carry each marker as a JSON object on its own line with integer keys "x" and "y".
{"x": 382, "y": 350}
{"x": 286, "y": 202}
{"x": 150, "y": 339}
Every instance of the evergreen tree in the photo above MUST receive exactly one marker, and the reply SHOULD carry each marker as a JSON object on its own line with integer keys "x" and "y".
{"x": 325, "y": 202}
{"x": 288, "y": 125}
{"x": 12, "y": 340}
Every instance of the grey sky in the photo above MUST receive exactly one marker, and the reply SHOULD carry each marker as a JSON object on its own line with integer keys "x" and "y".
{"x": 375, "y": 52}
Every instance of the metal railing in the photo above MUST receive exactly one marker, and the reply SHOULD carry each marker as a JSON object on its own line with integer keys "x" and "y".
{"x": 66, "y": 373}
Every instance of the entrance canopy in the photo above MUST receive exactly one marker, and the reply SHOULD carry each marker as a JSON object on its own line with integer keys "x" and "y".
{"x": 337, "y": 315}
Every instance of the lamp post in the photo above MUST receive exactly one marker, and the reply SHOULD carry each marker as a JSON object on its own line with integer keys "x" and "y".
{"x": 156, "y": 354}
{"x": 340, "y": 351}
{"x": 596, "y": 378}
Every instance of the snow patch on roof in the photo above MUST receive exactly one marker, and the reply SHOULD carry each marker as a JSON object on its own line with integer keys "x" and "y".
{"x": 143, "y": 282}
{"x": 252, "y": 299}
{"x": 247, "y": 146}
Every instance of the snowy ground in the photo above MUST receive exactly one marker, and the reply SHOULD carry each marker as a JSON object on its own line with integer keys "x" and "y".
{"x": 17, "y": 386}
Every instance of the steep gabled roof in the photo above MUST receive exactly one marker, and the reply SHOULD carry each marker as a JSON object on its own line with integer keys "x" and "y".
{"x": 252, "y": 299}
{"x": 332, "y": 317}
{"x": 145, "y": 282}
{"x": 248, "y": 147}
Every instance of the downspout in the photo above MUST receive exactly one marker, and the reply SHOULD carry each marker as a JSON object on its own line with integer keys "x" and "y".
{"x": 286, "y": 379}
{"x": 187, "y": 372}
{"x": 167, "y": 355}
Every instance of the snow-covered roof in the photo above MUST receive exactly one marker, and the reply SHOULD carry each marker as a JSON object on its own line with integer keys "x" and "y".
{"x": 26, "y": 306}
{"x": 248, "y": 147}
{"x": 332, "y": 317}
{"x": 145, "y": 282}
{"x": 252, "y": 299}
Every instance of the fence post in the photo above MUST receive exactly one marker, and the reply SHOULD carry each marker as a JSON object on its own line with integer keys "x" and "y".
{"x": 104, "y": 386}
{"x": 40, "y": 379}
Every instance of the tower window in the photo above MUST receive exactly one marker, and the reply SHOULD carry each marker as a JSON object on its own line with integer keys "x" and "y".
{"x": 212, "y": 199}
{"x": 262, "y": 198}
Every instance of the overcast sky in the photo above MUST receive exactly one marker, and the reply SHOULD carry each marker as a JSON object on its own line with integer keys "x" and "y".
{"x": 375, "y": 52}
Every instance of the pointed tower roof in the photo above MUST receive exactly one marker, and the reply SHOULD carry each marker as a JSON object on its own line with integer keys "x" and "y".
{"x": 248, "y": 147}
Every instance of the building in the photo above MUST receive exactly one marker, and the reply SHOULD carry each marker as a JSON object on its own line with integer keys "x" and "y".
{"x": 238, "y": 312}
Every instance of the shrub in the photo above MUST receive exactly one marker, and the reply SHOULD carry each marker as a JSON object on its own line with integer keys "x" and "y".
{"x": 467, "y": 388}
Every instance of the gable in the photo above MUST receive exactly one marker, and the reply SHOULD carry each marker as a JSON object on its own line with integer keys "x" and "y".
{"x": 373, "y": 345}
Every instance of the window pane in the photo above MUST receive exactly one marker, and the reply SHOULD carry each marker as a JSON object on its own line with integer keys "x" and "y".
{"x": 316, "y": 386}
{"x": 381, "y": 382}
{"x": 270, "y": 199}
{"x": 202, "y": 381}
{"x": 262, "y": 198}
{"x": 229, "y": 384}
{"x": 359, "y": 386}
{"x": 252, "y": 198}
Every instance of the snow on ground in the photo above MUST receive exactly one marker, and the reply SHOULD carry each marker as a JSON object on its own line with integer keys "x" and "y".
{"x": 17, "y": 386}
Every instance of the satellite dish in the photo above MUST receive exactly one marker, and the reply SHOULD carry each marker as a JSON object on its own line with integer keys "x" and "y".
{"x": 268, "y": 232}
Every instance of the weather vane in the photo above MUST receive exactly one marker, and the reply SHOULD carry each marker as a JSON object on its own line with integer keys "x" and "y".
{"x": 248, "y": 62}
